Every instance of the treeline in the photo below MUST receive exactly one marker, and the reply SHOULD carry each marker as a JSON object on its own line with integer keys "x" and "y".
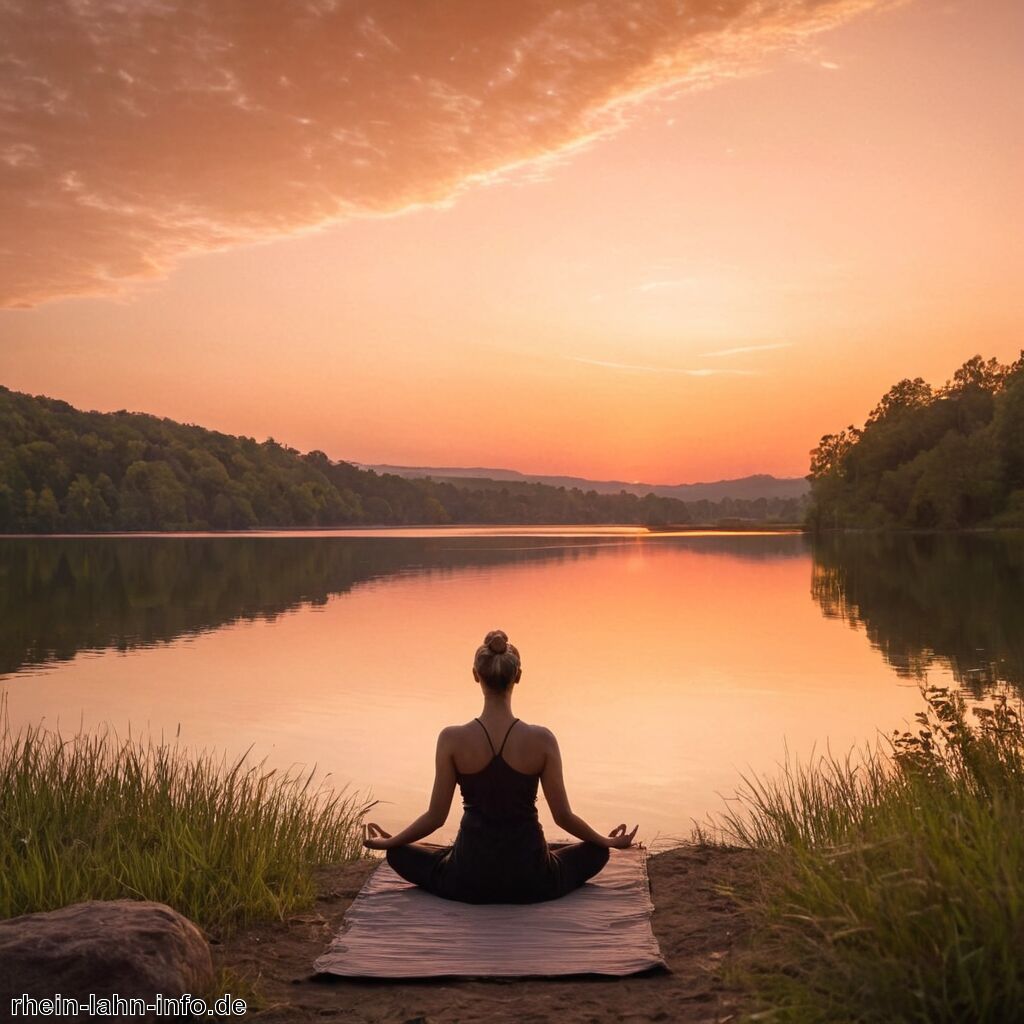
{"x": 929, "y": 458}
{"x": 62, "y": 469}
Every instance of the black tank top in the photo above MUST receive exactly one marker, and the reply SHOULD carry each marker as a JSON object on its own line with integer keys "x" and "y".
{"x": 500, "y": 854}
{"x": 497, "y": 796}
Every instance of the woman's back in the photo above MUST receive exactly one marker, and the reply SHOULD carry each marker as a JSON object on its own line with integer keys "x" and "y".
{"x": 498, "y": 794}
{"x": 475, "y": 744}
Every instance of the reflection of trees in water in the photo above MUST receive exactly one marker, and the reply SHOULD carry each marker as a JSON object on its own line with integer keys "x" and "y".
{"x": 59, "y": 596}
{"x": 760, "y": 547}
{"x": 922, "y": 599}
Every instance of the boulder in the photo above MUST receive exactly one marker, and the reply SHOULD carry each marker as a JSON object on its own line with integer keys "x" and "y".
{"x": 129, "y": 948}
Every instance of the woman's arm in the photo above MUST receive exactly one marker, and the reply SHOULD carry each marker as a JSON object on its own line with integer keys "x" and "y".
{"x": 554, "y": 792}
{"x": 440, "y": 803}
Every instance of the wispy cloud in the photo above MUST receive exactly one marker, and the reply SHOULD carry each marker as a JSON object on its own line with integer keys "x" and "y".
{"x": 138, "y": 132}
{"x": 742, "y": 350}
{"x": 684, "y": 371}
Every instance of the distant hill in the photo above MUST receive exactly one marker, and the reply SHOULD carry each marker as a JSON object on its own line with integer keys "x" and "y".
{"x": 749, "y": 488}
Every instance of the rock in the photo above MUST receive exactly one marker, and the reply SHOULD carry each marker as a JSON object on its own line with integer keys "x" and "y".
{"x": 104, "y": 947}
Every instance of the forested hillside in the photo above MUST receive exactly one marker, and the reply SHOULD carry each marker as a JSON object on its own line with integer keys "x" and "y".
{"x": 929, "y": 458}
{"x": 66, "y": 470}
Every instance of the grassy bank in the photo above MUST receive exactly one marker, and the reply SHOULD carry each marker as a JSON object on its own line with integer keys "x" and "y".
{"x": 892, "y": 887}
{"x": 98, "y": 817}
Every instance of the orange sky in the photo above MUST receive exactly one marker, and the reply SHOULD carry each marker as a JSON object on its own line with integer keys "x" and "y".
{"x": 606, "y": 239}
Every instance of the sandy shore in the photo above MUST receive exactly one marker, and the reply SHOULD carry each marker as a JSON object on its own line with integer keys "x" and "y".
{"x": 695, "y": 922}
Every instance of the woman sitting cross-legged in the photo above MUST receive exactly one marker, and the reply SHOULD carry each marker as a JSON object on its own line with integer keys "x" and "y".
{"x": 500, "y": 854}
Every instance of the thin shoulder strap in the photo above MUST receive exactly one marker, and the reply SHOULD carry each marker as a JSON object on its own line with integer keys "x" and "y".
{"x": 505, "y": 740}
{"x": 488, "y": 735}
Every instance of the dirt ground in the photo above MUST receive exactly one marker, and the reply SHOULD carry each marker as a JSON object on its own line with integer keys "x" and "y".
{"x": 696, "y": 923}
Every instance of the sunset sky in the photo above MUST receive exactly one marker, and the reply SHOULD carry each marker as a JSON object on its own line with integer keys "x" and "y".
{"x": 630, "y": 239}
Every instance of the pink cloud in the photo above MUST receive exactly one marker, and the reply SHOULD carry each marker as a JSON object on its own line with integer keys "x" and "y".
{"x": 135, "y": 132}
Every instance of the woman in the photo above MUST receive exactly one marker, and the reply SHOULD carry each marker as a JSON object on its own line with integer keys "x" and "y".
{"x": 500, "y": 854}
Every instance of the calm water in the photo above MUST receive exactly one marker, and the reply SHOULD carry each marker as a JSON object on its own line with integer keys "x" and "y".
{"x": 666, "y": 665}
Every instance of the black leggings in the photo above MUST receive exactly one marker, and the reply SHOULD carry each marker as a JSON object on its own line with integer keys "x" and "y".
{"x": 432, "y": 868}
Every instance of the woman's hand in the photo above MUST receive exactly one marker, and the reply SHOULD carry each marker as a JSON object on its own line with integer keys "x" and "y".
{"x": 620, "y": 839}
{"x": 375, "y": 838}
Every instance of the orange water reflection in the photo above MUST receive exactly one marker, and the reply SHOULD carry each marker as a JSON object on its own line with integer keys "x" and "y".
{"x": 665, "y": 666}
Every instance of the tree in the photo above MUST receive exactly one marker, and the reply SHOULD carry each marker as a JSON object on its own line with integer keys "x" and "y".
{"x": 7, "y": 509}
{"x": 435, "y": 512}
{"x": 85, "y": 507}
{"x": 47, "y": 511}
{"x": 377, "y": 510}
{"x": 943, "y": 460}
{"x": 907, "y": 394}
{"x": 151, "y": 498}
{"x": 830, "y": 454}
{"x": 978, "y": 373}
{"x": 1009, "y": 430}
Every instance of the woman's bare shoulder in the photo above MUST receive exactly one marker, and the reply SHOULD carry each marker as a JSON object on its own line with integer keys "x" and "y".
{"x": 459, "y": 729}
{"x": 453, "y": 734}
{"x": 541, "y": 734}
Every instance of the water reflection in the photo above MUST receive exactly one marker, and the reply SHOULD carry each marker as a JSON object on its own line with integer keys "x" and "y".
{"x": 59, "y": 596}
{"x": 931, "y": 599}
{"x": 666, "y": 665}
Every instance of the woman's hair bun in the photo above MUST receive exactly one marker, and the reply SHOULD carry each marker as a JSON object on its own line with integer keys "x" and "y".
{"x": 496, "y": 663}
{"x": 496, "y": 641}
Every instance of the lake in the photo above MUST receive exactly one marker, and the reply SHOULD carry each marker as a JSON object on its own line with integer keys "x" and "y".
{"x": 667, "y": 665}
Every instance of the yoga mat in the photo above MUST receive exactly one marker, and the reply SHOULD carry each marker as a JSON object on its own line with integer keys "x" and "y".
{"x": 395, "y": 930}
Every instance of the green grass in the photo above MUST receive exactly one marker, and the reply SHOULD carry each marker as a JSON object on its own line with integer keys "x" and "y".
{"x": 97, "y": 817}
{"x": 891, "y": 886}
